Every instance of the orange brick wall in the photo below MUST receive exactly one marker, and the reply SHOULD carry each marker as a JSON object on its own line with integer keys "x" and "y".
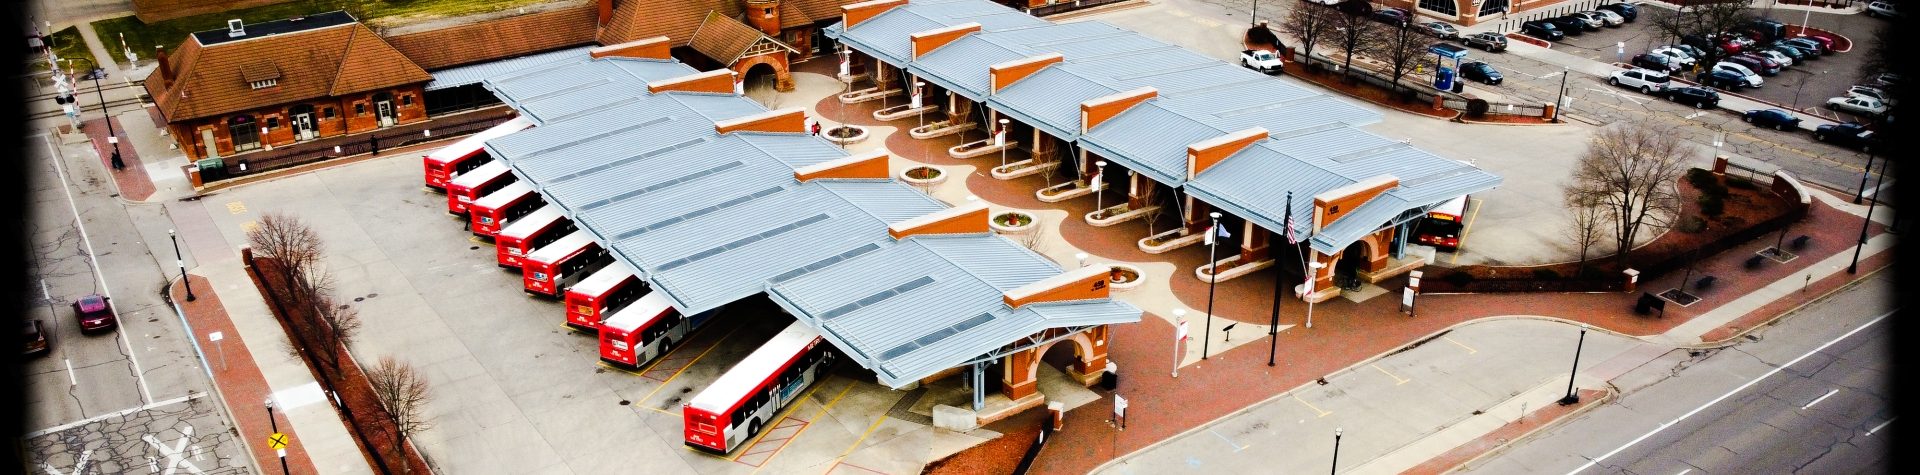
{"x": 188, "y": 133}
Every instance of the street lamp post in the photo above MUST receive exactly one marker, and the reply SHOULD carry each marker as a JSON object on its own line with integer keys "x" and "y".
{"x": 182, "y": 263}
{"x": 1864, "y": 174}
{"x": 1335, "y": 469}
{"x": 1312, "y": 276}
{"x": 1082, "y": 257}
{"x": 112, "y": 138}
{"x": 1867, "y": 222}
{"x": 1213, "y": 275}
{"x": 1255, "y": 19}
{"x": 1561, "y": 103}
{"x": 999, "y": 140}
{"x": 1099, "y": 188}
{"x": 1571, "y": 397}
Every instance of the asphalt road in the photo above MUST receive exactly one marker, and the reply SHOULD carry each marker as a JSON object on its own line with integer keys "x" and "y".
{"x": 1809, "y": 396}
{"x": 112, "y": 401}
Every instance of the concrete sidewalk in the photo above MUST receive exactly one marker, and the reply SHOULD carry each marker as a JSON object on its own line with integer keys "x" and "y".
{"x": 297, "y": 395}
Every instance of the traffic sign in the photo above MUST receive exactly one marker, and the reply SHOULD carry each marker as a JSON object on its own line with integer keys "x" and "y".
{"x": 277, "y": 441}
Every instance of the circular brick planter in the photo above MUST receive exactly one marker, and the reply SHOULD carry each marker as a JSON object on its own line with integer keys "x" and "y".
{"x": 1013, "y": 222}
{"x": 923, "y": 176}
{"x": 846, "y": 134}
{"x": 1125, "y": 277}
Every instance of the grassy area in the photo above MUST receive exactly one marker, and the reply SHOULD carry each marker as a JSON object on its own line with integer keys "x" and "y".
{"x": 71, "y": 49}
{"x": 143, "y": 37}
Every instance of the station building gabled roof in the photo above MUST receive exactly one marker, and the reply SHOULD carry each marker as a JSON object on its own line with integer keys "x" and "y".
{"x": 949, "y": 287}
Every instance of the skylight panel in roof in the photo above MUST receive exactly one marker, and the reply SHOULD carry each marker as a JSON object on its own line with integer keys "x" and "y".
{"x": 937, "y": 335}
{"x": 665, "y": 184}
{"x": 629, "y": 159}
{"x": 823, "y": 263}
{"x": 742, "y": 242}
{"x": 1368, "y": 152}
{"x": 697, "y": 213}
{"x": 877, "y": 297}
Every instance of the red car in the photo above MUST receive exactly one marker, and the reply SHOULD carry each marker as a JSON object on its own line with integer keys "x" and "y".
{"x": 95, "y": 313}
{"x": 1826, "y": 44}
{"x": 36, "y": 339}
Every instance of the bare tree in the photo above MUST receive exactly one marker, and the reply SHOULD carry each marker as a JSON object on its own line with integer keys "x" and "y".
{"x": 1402, "y": 48}
{"x": 1310, "y": 23}
{"x": 1630, "y": 171}
{"x": 338, "y": 325}
{"x": 403, "y": 391}
{"x": 1586, "y": 225}
{"x": 291, "y": 244}
{"x": 1353, "y": 33}
{"x": 1703, "y": 19}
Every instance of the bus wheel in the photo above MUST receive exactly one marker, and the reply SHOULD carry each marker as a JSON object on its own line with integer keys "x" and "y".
{"x": 666, "y": 345}
{"x": 753, "y": 428}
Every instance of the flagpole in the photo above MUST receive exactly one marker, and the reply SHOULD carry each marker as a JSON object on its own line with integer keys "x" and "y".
{"x": 1273, "y": 324}
{"x": 1213, "y": 275}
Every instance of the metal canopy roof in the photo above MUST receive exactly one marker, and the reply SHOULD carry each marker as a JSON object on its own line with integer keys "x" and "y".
{"x": 632, "y": 127}
{"x": 716, "y": 258}
{"x": 1199, "y": 98}
{"x": 886, "y": 36}
{"x": 476, "y": 73}
{"x": 950, "y": 287}
{"x": 551, "y": 92}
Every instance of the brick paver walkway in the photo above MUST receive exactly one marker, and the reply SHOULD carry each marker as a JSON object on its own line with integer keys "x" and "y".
{"x": 132, "y": 182}
{"x": 240, "y": 381}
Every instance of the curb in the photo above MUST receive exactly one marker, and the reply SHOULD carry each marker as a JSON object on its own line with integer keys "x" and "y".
{"x": 1611, "y": 394}
{"x": 1770, "y": 321}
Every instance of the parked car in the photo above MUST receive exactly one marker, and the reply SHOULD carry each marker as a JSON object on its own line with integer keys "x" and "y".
{"x": 95, "y": 313}
{"x": 1777, "y": 57}
{"x": 1395, "y": 16}
{"x": 1862, "y": 105}
{"x": 1626, "y": 10}
{"x": 1809, "y": 43}
{"x": 1695, "y": 52}
{"x": 1654, "y": 62}
{"x": 1686, "y": 60}
{"x": 1542, "y": 29}
{"x": 1573, "y": 26}
{"x": 1702, "y": 43}
{"x": 1731, "y": 44}
{"x": 1826, "y": 43}
{"x": 1752, "y": 66}
{"x": 1882, "y": 9}
{"x": 1768, "y": 66}
{"x": 1610, "y": 18}
{"x": 1807, "y": 51}
{"x": 36, "y": 338}
{"x": 1440, "y": 30}
{"x": 1765, "y": 30}
{"x": 1884, "y": 80}
{"x": 1746, "y": 73}
{"x": 1647, "y": 81}
{"x": 1873, "y": 92}
{"x": 1581, "y": 23}
{"x": 1480, "y": 71}
{"x": 1698, "y": 97}
{"x": 1489, "y": 41}
{"x": 1262, "y": 61}
{"x": 1721, "y": 79}
{"x": 1851, "y": 134}
{"x": 1774, "y": 118}
{"x": 1591, "y": 18}
{"x": 1788, "y": 51}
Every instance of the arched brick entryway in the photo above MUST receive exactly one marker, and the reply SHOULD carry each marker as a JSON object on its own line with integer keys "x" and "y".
{"x": 783, "y": 80}
{"x": 1021, "y": 378}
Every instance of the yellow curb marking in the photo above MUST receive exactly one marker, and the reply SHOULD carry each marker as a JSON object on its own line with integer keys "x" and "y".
{"x": 1397, "y": 380}
{"x": 1470, "y": 349}
{"x": 1296, "y": 397}
{"x": 249, "y": 226}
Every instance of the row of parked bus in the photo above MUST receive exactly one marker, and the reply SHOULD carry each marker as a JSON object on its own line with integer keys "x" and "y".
{"x": 635, "y": 326}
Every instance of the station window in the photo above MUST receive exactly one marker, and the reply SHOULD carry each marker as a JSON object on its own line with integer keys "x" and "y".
{"x": 1443, "y": 7}
{"x": 273, "y": 122}
{"x": 1490, "y": 7}
{"x": 406, "y": 100}
{"x": 327, "y": 113}
{"x": 359, "y": 108}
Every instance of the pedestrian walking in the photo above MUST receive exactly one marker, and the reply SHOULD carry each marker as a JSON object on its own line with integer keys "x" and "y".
{"x": 816, "y": 129}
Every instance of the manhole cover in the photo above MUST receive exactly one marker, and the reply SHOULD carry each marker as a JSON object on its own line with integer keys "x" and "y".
{"x": 624, "y": 402}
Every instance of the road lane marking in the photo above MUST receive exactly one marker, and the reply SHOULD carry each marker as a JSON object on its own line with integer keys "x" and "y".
{"x": 1396, "y": 379}
{"x": 119, "y": 413}
{"x": 1664, "y": 425}
{"x": 1882, "y": 425}
{"x": 72, "y": 381}
{"x": 1309, "y": 405}
{"x": 1822, "y": 397}
{"x": 93, "y": 262}
{"x": 1470, "y": 349}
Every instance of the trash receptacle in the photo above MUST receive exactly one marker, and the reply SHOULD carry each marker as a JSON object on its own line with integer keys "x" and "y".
{"x": 1459, "y": 86}
{"x": 1111, "y": 378}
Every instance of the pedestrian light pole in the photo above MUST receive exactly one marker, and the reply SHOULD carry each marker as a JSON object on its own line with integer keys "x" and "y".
{"x": 1099, "y": 188}
{"x": 1560, "y": 104}
{"x": 182, "y": 263}
{"x": 1000, "y": 141}
{"x": 1313, "y": 276}
{"x": 1336, "y": 452}
{"x": 1213, "y": 275}
{"x": 1571, "y": 397}
{"x": 1867, "y": 222}
{"x": 1864, "y": 175}
{"x": 112, "y": 138}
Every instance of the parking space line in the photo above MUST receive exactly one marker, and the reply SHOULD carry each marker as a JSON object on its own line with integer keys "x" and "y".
{"x": 1309, "y": 405}
{"x": 1882, "y": 425}
{"x": 236, "y": 207}
{"x": 1471, "y": 217}
{"x": 782, "y": 416}
{"x": 606, "y": 365}
{"x": 1397, "y": 380}
{"x": 683, "y": 369}
{"x": 1470, "y": 349}
{"x": 1236, "y": 447}
{"x": 816, "y": 417}
{"x": 1822, "y": 397}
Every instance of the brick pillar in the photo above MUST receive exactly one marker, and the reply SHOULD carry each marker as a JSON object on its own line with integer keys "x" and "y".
{"x": 1087, "y": 167}
{"x": 1196, "y": 218}
{"x": 1720, "y": 164}
{"x": 1548, "y": 112}
{"x": 1139, "y": 191}
{"x": 1253, "y": 243}
{"x": 1019, "y": 380}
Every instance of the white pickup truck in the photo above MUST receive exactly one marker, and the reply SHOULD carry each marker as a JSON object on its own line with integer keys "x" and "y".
{"x": 1262, "y": 61}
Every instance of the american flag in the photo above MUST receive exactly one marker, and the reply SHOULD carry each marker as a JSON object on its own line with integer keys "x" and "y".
{"x": 1290, "y": 238}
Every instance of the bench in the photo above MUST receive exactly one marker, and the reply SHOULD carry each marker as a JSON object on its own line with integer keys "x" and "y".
{"x": 1704, "y": 282}
{"x": 1800, "y": 242}
{"x": 1753, "y": 262}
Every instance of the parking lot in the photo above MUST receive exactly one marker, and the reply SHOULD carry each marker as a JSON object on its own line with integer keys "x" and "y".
{"x": 518, "y": 392}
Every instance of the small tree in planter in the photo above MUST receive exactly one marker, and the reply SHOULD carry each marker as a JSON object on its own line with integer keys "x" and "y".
{"x": 923, "y": 177}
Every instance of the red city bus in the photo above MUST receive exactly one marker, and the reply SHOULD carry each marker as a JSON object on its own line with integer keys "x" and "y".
{"x": 746, "y": 398}
{"x": 601, "y": 294}
{"x": 448, "y": 162}
{"x": 1442, "y": 225}
{"x": 472, "y": 185}
{"x": 554, "y": 267}
{"x": 490, "y": 213}
{"x": 533, "y": 231}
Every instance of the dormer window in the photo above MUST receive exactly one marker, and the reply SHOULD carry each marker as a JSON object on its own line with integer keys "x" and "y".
{"x": 260, "y": 74}
{"x": 264, "y": 83}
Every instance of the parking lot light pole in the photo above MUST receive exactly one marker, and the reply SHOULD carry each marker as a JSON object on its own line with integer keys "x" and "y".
{"x": 1864, "y": 174}
{"x": 1213, "y": 275}
{"x": 1571, "y": 397}
{"x": 179, "y": 261}
{"x": 1867, "y": 222}
{"x": 1335, "y": 469}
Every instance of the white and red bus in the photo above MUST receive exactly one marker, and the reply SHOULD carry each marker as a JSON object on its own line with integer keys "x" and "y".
{"x": 744, "y": 400}
{"x": 490, "y": 213}
{"x": 1442, "y": 225}
{"x": 448, "y": 162}
{"x": 602, "y": 294}
{"x": 554, "y": 267}
{"x": 645, "y": 330}
{"x": 477, "y": 183}
{"x": 533, "y": 231}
